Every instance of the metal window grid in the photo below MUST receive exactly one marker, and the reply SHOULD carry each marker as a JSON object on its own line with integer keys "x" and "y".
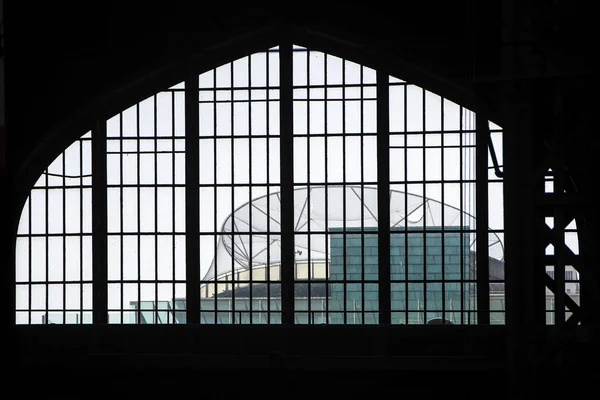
{"x": 229, "y": 304}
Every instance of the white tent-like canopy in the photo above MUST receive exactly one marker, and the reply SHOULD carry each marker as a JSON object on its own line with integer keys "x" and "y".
{"x": 251, "y": 236}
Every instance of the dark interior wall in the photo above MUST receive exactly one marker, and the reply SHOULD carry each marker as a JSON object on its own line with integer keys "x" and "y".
{"x": 64, "y": 62}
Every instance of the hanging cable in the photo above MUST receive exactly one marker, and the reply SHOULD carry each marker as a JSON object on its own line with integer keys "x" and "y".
{"x": 67, "y": 176}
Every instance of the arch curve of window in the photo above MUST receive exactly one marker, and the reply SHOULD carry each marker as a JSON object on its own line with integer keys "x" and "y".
{"x": 287, "y": 186}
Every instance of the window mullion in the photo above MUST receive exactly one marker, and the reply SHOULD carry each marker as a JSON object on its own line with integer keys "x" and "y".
{"x": 383, "y": 197}
{"x": 287, "y": 181}
{"x": 481, "y": 211}
{"x": 99, "y": 225}
{"x": 192, "y": 204}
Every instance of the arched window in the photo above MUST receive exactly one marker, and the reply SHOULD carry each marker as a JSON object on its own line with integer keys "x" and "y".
{"x": 288, "y": 186}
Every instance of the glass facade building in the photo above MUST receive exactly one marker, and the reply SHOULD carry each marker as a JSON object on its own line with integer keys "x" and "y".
{"x": 427, "y": 268}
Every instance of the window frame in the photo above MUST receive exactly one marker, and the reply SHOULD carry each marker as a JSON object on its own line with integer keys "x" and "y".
{"x": 99, "y": 232}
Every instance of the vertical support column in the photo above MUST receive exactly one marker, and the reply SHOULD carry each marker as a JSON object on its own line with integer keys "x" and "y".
{"x": 286, "y": 115}
{"x": 383, "y": 196}
{"x": 559, "y": 263}
{"x": 559, "y": 212}
{"x": 541, "y": 154}
{"x": 514, "y": 256}
{"x": 481, "y": 211}
{"x": 519, "y": 208}
{"x": 525, "y": 311}
{"x": 192, "y": 205}
{"x": 3, "y": 161}
{"x": 9, "y": 276}
{"x": 99, "y": 224}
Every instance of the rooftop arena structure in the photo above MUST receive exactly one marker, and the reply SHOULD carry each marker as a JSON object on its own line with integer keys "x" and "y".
{"x": 249, "y": 246}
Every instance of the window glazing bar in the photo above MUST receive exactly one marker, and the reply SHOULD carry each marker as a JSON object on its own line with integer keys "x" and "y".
{"x": 326, "y": 306}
